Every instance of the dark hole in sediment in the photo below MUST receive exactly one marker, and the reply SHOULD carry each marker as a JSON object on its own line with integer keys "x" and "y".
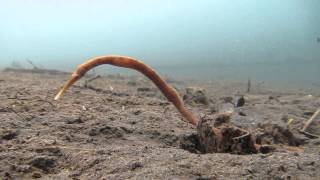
{"x": 190, "y": 143}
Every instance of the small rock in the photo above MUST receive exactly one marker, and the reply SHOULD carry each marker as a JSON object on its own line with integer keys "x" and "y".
{"x": 9, "y": 134}
{"x": 312, "y": 163}
{"x": 4, "y": 110}
{"x": 132, "y": 83}
{"x": 195, "y": 95}
{"x": 6, "y": 174}
{"x": 204, "y": 178}
{"x": 120, "y": 94}
{"x": 45, "y": 123}
{"x": 282, "y": 168}
{"x": 93, "y": 132}
{"x": 43, "y": 162}
{"x": 108, "y": 131}
{"x": 276, "y": 133}
{"x": 240, "y": 102}
{"x": 74, "y": 121}
{"x": 67, "y": 138}
{"x": 227, "y": 99}
{"x": 276, "y": 98}
{"x": 137, "y": 112}
{"x": 135, "y": 166}
{"x": 143, "y": 89}
{"x": 308, "y": 113}
{"x": 36, "y": 175}
{"x": 251, "y": 170}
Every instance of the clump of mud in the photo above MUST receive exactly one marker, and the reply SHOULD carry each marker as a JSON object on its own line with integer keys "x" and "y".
{"x": 275, "y": 134}
{"x": 218, "y": 135}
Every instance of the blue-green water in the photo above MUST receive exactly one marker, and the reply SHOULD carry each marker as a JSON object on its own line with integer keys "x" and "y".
{"x": 273, "y": 40}
{"x": 303, "y": 75}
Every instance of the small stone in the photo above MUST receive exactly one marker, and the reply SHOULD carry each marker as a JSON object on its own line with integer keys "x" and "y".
{"x": 36, "y": 175}
{"x": 196, "y": 95}
{"x": 43, "y": 162}
{"x": 308, "y": 113}
{"x": 7, "y": 174}
{"x": 240, "y": 102}
{"x": 204, "y": 178}
{"x": 4, "y": 110}
{"x": 227, "y": 99}
{"x": 8, "y": 134}
{"x": 74, "y": 121}
{"x": 137, "y": 112}
{"x": 132, "y": 83}
{"x": 242, "y": 113}
{"x": 136, "y": 165}
{"x": 143, "y": 89}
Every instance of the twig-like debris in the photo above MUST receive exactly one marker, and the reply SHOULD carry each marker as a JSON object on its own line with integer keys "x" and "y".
{"x": 305, "y": 127}
{"x": 38, "y": 71}
{"x": 45, "y": 100}
{"x": 91, "y": 79}
{"x": 32, "y": 64}
{"x": 247, "y": 133}
{"x": 248, "y": 85}
{"x": 309, "y": 135}
{"x": 310, "y": 120}
{"x": 127, "y": 62}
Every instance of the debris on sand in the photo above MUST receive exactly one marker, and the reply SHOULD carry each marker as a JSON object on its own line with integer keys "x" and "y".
{"x": 37, "y": 71}
{"x": 195, "y": 95}
{"x": 308, "y": 123}
{"x": 270, "y": 133}
{"x": 44, "y": 163}
{"x": 8, "y": 134}
{"x": 240, "y": 102}
{"x": 217, "y": 135}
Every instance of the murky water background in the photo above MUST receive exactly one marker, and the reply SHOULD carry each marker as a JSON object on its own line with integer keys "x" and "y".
{"x": 271, "y": 41}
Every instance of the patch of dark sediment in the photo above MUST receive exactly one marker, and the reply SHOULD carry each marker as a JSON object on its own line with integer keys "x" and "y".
{"x": 217, "y": 134}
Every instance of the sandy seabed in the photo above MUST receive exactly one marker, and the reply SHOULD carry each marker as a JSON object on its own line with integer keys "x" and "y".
{"x": 123, "y": 128}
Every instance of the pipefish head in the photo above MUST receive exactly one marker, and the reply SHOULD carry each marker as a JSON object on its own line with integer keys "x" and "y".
{"x": 79, "y": 72}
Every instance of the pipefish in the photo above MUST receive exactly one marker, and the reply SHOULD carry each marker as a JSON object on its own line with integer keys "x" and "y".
{"x": 131, "y": 63}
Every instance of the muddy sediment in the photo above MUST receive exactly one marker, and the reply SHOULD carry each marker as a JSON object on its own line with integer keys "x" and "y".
{"x": 123, "y": 128}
